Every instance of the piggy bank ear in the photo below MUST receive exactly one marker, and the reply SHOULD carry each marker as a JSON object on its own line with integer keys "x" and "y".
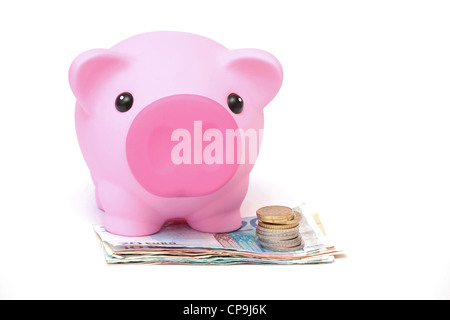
{"x": 260, "y": 70}
{"x": 89, "y": 70}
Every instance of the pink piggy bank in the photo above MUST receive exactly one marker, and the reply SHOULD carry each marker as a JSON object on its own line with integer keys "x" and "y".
{"x": 170, "y": 124}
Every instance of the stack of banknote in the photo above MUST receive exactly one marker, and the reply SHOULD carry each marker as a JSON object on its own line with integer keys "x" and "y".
{"x": 177, "y": 243}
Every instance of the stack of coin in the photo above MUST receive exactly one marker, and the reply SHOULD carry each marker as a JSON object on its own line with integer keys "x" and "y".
{"x": 278, "y": 228}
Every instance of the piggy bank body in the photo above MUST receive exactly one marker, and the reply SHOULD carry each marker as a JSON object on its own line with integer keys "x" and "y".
{"x": 170, "y": 124}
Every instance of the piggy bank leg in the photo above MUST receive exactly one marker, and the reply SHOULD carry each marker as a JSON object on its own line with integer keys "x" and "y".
{"x": 97, "y": 197}
{"x": 223, "y": 214}
{"x": 125, "y": 214}
{"x": 216, "y": 222}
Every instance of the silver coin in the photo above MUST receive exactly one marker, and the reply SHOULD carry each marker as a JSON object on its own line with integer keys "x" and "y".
{"x": 282, "y": 243}
{"x": 271, "y": 240}
{"x": 277, "y": 236}
{"x": 283, "y": 249}
{"x": 262, "y": 230}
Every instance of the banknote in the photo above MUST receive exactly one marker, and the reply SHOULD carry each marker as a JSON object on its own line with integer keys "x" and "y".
{"x": 177, "y": 243}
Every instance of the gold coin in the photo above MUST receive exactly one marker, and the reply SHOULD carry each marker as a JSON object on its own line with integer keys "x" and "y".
{"x": 276, "y": 226}
{"x": 295, "y": 221}
{"x": 275, "y": 214}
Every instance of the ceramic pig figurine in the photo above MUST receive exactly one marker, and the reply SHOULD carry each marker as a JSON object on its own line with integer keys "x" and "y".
{"x": 170, "y": 124}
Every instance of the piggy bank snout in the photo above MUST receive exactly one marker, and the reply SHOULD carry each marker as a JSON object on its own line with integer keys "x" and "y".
{"x": 176, "y": 146}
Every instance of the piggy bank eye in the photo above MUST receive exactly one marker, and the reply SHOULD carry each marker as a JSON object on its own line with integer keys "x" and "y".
{"x": 124, "y": 102}
{"x": 235, "y": 103}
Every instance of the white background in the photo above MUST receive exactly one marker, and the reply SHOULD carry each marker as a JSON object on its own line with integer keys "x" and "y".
{"x": 359, "y": 131}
